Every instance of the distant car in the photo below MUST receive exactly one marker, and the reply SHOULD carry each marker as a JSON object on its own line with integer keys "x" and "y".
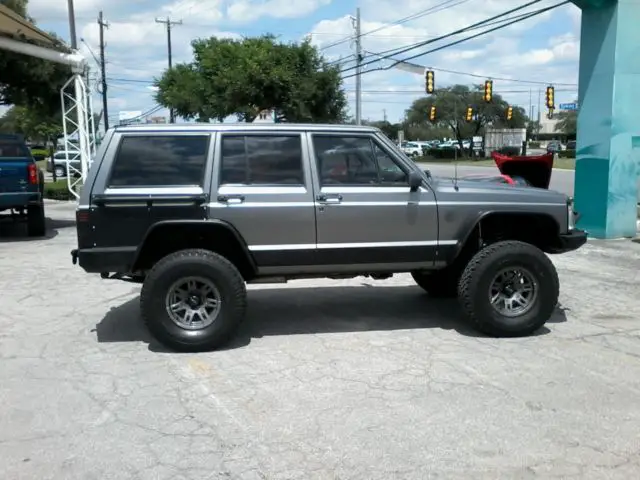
{"x": 411, "y": 149}
{"x": 554, "y": 146}
{"x": 64, "y": 167}
{"x": 571, "y": 145}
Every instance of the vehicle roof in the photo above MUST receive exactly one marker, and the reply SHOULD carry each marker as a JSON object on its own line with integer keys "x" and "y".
{"x": 215, "y": 127}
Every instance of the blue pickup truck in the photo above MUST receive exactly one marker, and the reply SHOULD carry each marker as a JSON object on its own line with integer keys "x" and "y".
{"x": 21, "y": 184}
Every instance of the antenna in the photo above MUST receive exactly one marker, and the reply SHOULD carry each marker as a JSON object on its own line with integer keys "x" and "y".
{"x": 455, "y": 147}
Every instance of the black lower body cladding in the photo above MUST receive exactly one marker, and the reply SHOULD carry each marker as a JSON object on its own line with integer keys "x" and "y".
{"x": 193, "y": 300}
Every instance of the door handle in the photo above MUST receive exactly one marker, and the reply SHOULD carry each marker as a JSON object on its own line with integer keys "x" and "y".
{"x": 231, "y": 199}
{"x": 333, "y": 198}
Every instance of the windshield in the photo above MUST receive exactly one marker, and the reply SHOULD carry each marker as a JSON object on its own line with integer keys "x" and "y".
{"x": 10, "y": 149}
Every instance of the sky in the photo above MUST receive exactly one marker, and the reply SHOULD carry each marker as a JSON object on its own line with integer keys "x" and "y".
{"x": 521, "y": 59}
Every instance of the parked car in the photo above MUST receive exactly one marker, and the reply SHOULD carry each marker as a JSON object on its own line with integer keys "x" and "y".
{"x": 412, "y": 149}
{"x": 21, "y": 184}
{"x": 195, "y": 212}
{"x": 571, "y": 145}
{"x": 554, "y": 146}
{"x": 63, "y": 166}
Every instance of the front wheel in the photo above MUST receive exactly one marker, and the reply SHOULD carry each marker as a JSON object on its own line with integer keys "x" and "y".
{"x": 193, "y": 300}
{"x": 60, "y": 172}
{"x": 509, "y": 289}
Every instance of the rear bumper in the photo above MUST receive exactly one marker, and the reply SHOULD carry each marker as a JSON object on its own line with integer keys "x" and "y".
{"x": 99, "y": 260}
{"x": 19, "y": 199}
{"x": 571, "y": 241}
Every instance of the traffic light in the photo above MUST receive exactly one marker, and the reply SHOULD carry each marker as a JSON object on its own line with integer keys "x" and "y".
{"x": 429, "y": 80}
{"x": 469, "y": 114}
{"x": 509, "y": 112}
{"x": 488, "y": 91}
{"x": 551, "y": 101}
{"x": 432, "y": 113}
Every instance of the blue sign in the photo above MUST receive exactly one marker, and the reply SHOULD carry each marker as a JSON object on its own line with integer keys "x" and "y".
{"x": 568, "y": 106}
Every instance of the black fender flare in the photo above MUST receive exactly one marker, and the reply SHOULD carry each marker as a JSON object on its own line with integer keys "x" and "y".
{"x": 205, "y": 223}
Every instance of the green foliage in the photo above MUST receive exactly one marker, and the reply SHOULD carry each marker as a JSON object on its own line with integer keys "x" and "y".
{"x": 567, "y": 154}
{"x": 243, "y": 77}
{"x": 534, "y": 145}
{"x": 30, "y": 81}
{"x": 57, "y": 191}
{"x": 443, "y": 153}
{"x": 32, "y": 123}
{"x": 451, "y": 107}
{"x": 567, "y": 122}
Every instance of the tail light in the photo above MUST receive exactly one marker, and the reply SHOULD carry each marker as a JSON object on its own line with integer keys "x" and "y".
{"x": 33, "y": 174}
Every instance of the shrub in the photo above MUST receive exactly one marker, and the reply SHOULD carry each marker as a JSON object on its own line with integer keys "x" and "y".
{"x": 57, "y": 191}
{"x": 534, "y": 144}
{"x": 510, "y": 151}
{"x": 567, "y": 154}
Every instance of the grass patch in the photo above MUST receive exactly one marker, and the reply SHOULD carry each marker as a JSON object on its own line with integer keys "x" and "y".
{"x": 57, "y": 191}
{"x": 564, "y": 163}
{"x": 42, "y": 165}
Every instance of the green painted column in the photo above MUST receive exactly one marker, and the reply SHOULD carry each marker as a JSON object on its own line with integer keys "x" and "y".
{"x": 608, "y": 143}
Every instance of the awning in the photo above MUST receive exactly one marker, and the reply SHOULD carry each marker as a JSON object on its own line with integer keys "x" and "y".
{"x": 14, "y": 26}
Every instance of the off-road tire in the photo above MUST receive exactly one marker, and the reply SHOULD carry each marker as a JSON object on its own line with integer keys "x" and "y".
{"x": 36, "y": 224}
{"x": 473, "y": 288}
{"x": 440, "y": 283}
{"x": 200, "y": 263}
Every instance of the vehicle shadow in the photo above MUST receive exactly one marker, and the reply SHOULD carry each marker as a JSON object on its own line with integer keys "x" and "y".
{"x": 295, "y": 311}
{"x": 15, "y": 230}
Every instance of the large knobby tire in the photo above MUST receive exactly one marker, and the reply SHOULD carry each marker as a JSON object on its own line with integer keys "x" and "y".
{"x": 210, "y": 271}
{"x": 439, "y": 283}
{"x": 474, "y": 288}
{"x": 36, "y": 224}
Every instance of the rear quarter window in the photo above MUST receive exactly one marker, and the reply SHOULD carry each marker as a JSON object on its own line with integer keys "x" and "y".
{"x": 160, "y": 161}
{"x": 13, "y": 149}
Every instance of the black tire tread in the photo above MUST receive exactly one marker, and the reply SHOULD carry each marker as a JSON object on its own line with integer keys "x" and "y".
{"x": 467, "y": 283}
{"x": 238, "y": 287}
{"x": 36, "y": 222}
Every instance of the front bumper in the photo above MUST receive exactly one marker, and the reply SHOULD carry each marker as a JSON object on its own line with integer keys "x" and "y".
{"x": 571, "y": 241}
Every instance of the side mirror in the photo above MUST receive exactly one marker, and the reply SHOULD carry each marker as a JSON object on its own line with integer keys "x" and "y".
{"x": 415, "y": 180}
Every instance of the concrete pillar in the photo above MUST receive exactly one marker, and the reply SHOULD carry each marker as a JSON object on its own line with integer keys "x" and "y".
{"x": 608, "y": 143}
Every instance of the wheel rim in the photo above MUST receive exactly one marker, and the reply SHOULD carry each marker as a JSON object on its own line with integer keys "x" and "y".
{"x": 193, "y": 303}
{"x": 513, "y": 291}
{"x": 59, "y": 172}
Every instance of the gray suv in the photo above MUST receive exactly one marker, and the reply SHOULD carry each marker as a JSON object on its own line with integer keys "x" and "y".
{"x": 195, "y": 212}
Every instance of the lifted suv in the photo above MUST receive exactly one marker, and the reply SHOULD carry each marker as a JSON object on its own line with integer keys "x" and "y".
{"x": 197, "y": 211}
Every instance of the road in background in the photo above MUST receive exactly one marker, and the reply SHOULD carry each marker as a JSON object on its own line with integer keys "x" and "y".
{"x": 561, "y": 180}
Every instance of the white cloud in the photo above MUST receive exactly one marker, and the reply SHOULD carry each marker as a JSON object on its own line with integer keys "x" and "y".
{"x": 247, "y": 11}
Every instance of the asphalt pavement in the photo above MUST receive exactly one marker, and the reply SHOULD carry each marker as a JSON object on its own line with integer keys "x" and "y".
{"x": 327, "y": 379}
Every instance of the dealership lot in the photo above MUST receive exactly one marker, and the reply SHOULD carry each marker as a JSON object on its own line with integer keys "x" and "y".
{"x": 327, "y": 379}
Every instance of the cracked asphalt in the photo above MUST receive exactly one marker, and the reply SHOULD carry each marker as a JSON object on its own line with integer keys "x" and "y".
{"x": 356, "y": 379}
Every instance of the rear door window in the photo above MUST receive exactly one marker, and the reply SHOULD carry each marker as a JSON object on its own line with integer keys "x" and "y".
{"x": 160, "y": 161}
{"x": 10, "y": 149}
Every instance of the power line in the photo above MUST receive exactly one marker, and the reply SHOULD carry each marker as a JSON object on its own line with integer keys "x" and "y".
{"x": 422, "y": 13}
{"x": 454, "y": 33}
{"x": 457, "y": 42}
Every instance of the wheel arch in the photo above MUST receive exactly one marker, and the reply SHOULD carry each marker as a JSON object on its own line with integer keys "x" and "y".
{"x": 168, "y": 236}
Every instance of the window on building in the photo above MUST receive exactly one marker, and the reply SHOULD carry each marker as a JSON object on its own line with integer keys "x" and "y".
{"x": 261, "y": 160}
{"x": 163, "y": 160}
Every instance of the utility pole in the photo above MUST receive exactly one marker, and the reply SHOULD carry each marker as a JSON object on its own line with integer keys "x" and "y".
{"x": 72, "y": 25}
{"x": 169, "y": 24}
{"x": 530, "y": 106}
{"x": 384, "y": 114}
{"x": 358, "y": 70}
{"x": 103, "y": 70}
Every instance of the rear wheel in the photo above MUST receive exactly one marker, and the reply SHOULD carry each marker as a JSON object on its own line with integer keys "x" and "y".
{"x": 509, "y": 289}
{"x": 60, "y": 172}
{"x": 193, "y": 300}
{"x": 35, "y": 220}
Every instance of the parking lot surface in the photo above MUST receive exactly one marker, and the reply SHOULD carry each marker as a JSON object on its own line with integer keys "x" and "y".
{"x": 356, "y": 379}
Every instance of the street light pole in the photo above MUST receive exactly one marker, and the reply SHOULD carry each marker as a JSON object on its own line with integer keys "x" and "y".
{"x": 72, "y": 25}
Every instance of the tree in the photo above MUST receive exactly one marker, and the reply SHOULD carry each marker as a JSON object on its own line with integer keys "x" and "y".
{"x": 30, "y": 81}
{"x": 31, "y": 123}
{"x": 244, "y": 77}
{"x": 567, "y": 122}
{"x": 451, "y": 109}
